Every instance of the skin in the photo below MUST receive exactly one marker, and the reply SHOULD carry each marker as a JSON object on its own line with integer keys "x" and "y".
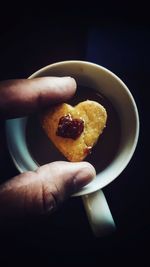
{"x": 41, "y": 191}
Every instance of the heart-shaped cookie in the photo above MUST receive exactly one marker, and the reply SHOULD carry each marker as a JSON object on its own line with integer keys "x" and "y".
{"x": 75, "y": 130}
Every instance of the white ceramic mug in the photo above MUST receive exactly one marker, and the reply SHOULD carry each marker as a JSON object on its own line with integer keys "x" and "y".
{"x": 110, "y": 86}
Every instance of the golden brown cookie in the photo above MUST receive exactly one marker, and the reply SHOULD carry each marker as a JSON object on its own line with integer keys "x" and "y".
{"x": 75, "y": 130}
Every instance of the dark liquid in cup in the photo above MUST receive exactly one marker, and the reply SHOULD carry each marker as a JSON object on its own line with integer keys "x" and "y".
{"x": 43, "y": 151}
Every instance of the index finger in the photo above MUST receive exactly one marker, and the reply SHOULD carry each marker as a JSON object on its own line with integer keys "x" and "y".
{"x": 22, "y": 97}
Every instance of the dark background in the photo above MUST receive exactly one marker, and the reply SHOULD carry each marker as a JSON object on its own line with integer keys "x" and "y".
{"x": 116, "y": 37}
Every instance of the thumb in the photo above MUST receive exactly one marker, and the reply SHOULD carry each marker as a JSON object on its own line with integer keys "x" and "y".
{"x": 22, "y": 97}
{"x": 45, "y": 189}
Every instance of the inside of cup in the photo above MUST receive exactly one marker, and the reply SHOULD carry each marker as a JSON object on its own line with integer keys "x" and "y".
{"x": 109, "y": 85}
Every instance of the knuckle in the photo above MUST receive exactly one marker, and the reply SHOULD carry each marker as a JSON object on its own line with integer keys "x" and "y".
{"x": 50, "y": 198}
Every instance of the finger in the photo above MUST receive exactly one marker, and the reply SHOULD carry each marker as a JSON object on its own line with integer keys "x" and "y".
{"x": 21, "y": 97}
{"x": 42, "y": 191}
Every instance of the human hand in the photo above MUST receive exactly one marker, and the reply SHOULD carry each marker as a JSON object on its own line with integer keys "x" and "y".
{"x": 40, "y": 191}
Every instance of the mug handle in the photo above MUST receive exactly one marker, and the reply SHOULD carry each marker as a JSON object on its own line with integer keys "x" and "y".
{"x": 98, "y": 213}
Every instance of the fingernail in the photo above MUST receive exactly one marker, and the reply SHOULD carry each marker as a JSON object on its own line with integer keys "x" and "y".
{"x": 68, "y": 82}
{"x": 83, "y": 177}
{"x": 68, "y": 78}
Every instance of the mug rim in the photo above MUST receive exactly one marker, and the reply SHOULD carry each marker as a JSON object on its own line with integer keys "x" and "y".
{"x": 106, "y": 180}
